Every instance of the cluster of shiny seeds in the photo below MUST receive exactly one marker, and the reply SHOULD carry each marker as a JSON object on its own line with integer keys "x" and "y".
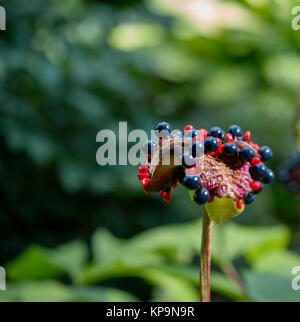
{"x": 216, "y": 143}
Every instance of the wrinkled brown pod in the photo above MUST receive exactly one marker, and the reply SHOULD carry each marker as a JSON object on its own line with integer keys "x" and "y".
{"x": 162, "y": 177}
{"x": 223, "y": 179}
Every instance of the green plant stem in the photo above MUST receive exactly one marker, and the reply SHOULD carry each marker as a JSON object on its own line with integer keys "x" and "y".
{"x": 205, "y": 257}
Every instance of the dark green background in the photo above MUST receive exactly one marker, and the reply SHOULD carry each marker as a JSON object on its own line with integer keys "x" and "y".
{"x": 69, "y": 69}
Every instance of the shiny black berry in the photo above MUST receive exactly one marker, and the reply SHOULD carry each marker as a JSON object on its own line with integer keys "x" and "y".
{"x": 197, "y": 149}
{"x": 190, "y": 133}
{"x": 235, "y": 130}
{"x": 268, "y": 176}
{"x": 258, "y": 171}
{"x": 163, "y": 129}
{"x": 191, "y": 182}
{"x": 216, "y": 132}
{"x": 187, "y": 160}
{"x": 249, "y": 198}
{"x": 247, "y": 153}
{"x": 210, "y": 144}
{"x": 230, "y": 150}
{"x": 201, "y": 195}
{"x": 266, "y": 153}
{"x": 223, "y": 136}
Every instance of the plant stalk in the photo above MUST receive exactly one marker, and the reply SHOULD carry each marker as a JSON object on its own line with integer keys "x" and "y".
{"x": 230, "y": 271}
{"x": 205, "y": 257}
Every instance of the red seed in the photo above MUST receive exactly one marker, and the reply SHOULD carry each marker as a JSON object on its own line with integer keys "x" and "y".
{"x": 202, "y": 134}
{"x": 255, "y": 160}
{"x": 256, "y": 147}
{"x": 188, "y": 127}
{"x": 211, "y": 198}
{"x": 220, "y": 146}
{"x": 143, "y": 175}
{"x": 167, "y": 196}
{"x": 143, "y": 168}
{"x": 239, "y": 204}
{"x": 145, "y": 182}
{"x": 255, "y": 185}
{"x": 229, "y": 137}
{"x": 147, "y": 192}
{"x": 174, "y": 185}
{"x": 247, "y": 135}
{"x": 192, "y": 170}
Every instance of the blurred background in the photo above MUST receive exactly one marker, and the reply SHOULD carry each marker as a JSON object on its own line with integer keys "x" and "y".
{"x": 74, "y": 231}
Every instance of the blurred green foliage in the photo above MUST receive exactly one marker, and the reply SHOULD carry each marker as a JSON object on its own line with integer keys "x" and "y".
{"x": 163, "y": 259}
{"x": 71, "y": 230}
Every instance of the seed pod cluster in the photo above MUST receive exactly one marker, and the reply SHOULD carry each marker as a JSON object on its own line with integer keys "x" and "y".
{"x": 216, "y": 164}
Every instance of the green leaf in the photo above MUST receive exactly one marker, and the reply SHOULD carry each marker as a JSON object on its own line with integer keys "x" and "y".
{"x": 221, "y": 284}
{"x": 42, "y": 291}
{"x": 110, "y": 253}
{"x": 40, "y": 263}
{"x": 105, "y": 246}
{"x": 267, "y": 238}
{"x": 33, "y": 264}
{"x": 115, "y": 257}
{"x": 173, "y": 287}
{"x": 222, "y": 209}
{"x": 277, "y": 261}
{"x": 266, "y": 287}
{"x": 101, "y": 294}
{"x": 71, "y": 257}
{"x": 177, "y": 241}
{"x": 232, "y": 240}
{"x": 52, "y": 291}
